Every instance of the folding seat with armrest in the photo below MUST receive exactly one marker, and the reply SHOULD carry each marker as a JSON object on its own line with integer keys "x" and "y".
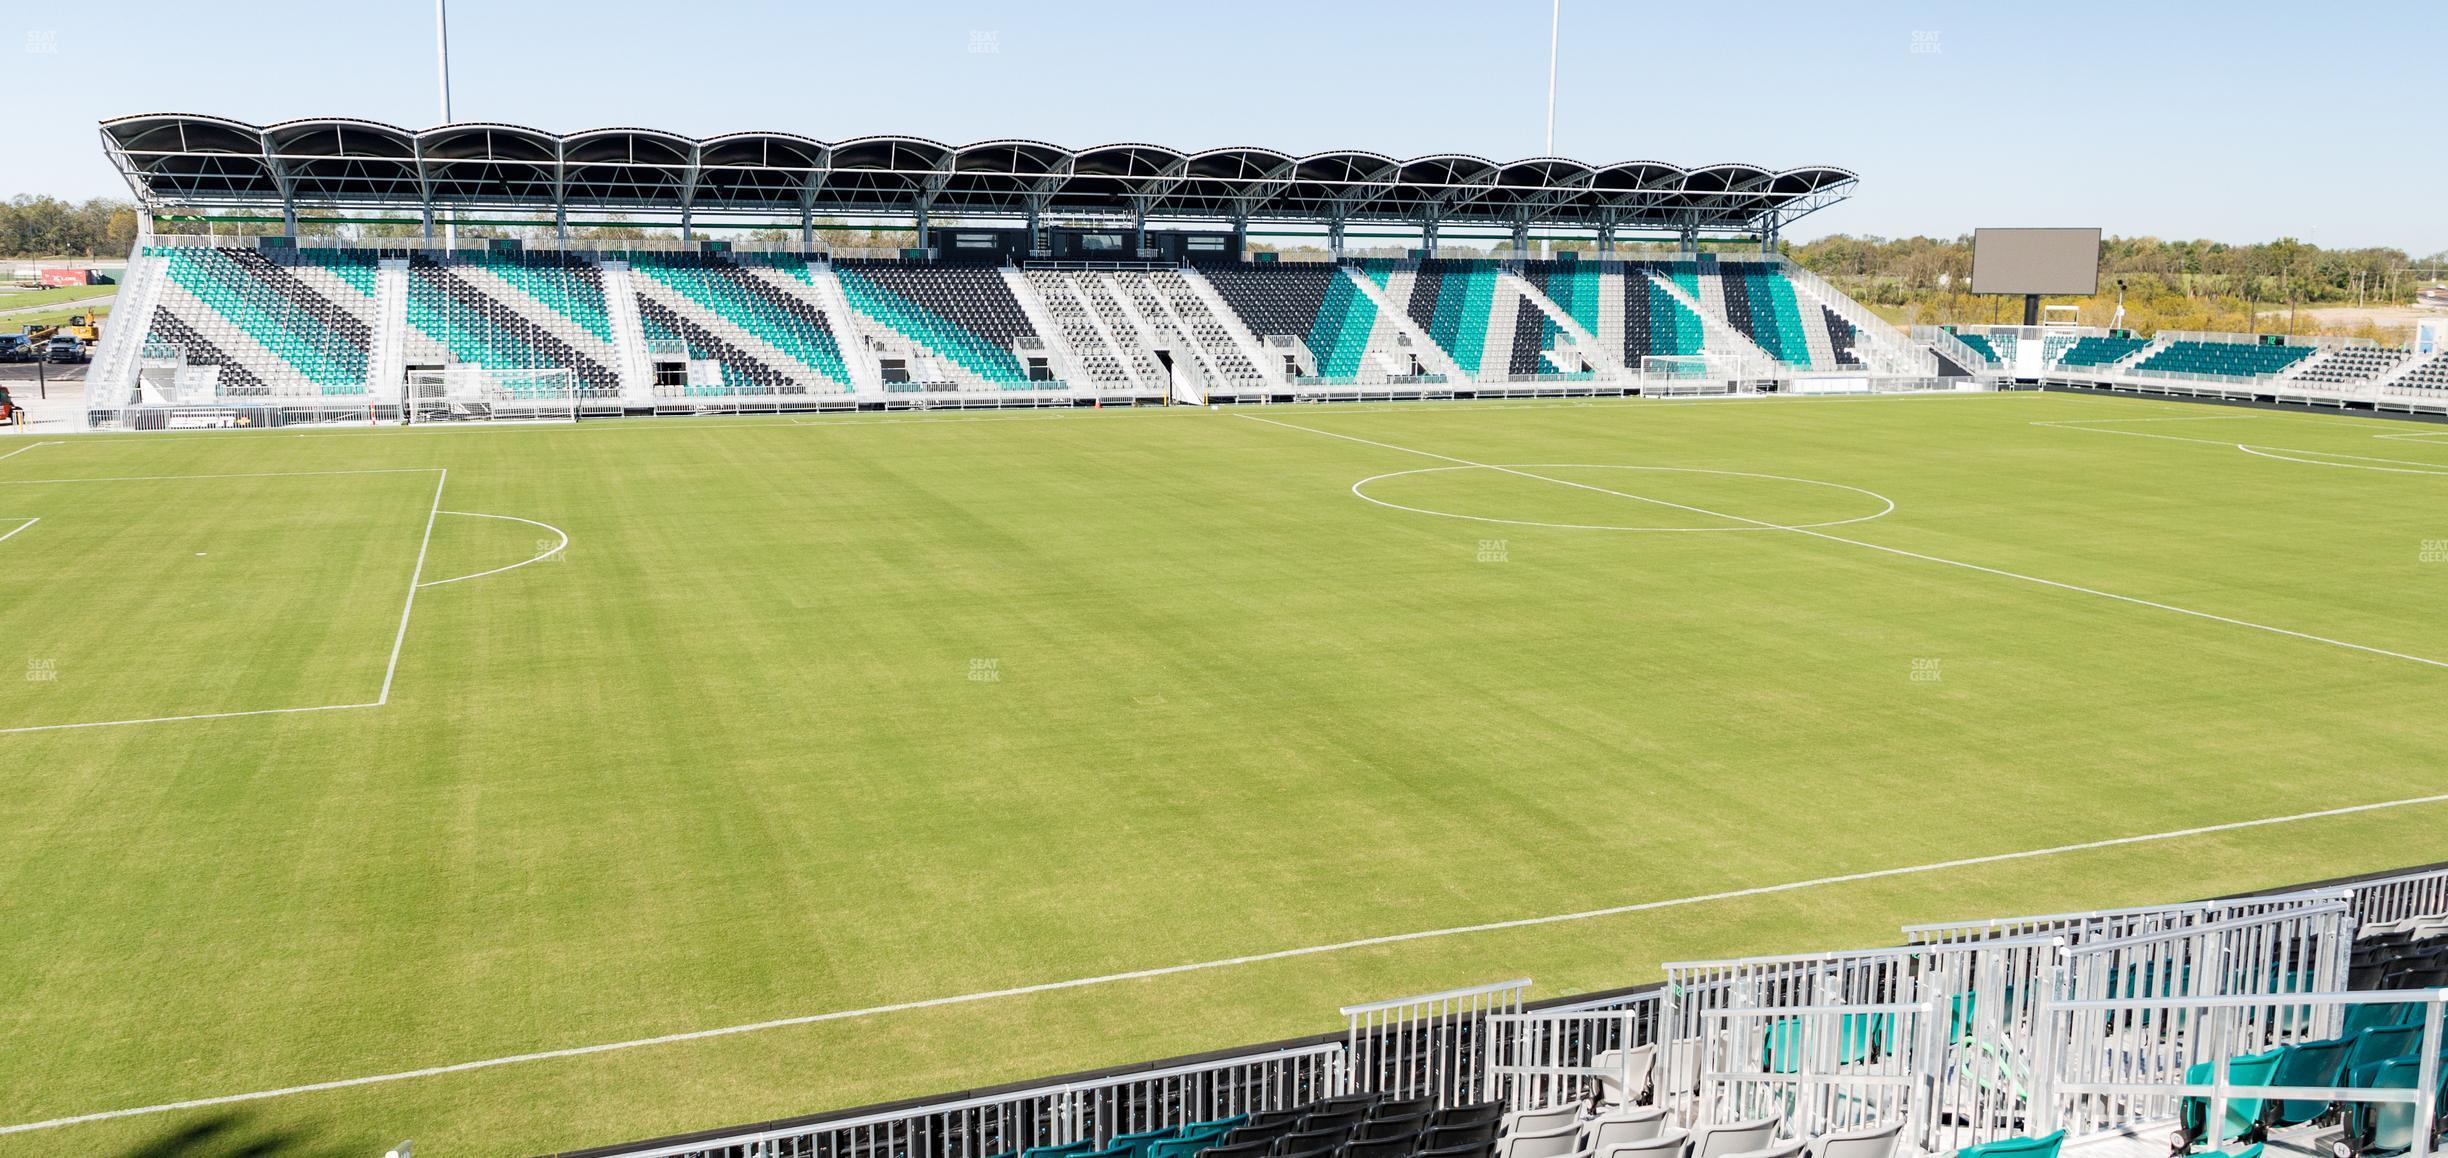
{"x": 1342, "y": 1117}
{"x": 1480, "y": 1133}
{"x": 1238, "y": 1147}
{"x": 1668, "y": 1144}
{"x": 2306, "y": 1063}
{"x": 1637, "y": 1124}
{"x": 1788, "y": 1149}
{"x": 1552, "y": 1142}
{"x": 1393, "y": 1127}
{"x": 1532, "y": 1121}
{"x": 1304, "y": 1140}
{"x": 1728, "y": 1138}
{"x": 1626, "y": 1079}
{"x": 1402, "y": 1108}
{"x": 1400, "y": 1146}
{"x": 1867, "y": 1142}
{"x": 2243, "y": 1114}
{"x": 2044, "y": 1146}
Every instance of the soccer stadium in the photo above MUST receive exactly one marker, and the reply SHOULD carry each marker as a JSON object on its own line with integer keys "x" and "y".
{"x": 789, "y": 644}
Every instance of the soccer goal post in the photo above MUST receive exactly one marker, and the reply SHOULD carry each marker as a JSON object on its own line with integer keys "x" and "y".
{"x": 1670, "y": 374}
{"x": 482, "y": 394}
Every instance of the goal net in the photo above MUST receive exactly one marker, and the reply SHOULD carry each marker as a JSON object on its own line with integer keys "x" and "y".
{"x": 479, "y": 394}
{"x": 1686, "y": 374}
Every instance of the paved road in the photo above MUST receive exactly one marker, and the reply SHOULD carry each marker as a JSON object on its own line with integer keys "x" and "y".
{"x": 47, "y": 307}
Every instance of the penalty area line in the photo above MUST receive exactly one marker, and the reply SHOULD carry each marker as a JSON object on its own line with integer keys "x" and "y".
{"x": 442, "y": 479}
{"x": 19, "y": 527}
{"x": 1223, "y": 963}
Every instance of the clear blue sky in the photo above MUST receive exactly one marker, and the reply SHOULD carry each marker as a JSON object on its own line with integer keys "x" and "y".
{"x": 2240, "y": 120}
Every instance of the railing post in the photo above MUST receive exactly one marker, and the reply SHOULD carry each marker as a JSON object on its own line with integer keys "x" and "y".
{"x": 2426, "y": 1099}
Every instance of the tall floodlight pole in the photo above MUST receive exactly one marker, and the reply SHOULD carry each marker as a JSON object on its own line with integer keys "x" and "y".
{"x": 442, "y": 52}
{"x": 450, "y": 229}
{"x": 1555, "y": 26}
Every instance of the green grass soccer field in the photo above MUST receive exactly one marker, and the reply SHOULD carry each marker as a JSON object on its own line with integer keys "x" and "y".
{"x": 418, "y": 749}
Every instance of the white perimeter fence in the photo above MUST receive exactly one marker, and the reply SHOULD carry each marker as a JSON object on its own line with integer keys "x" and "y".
{"x": 1971, "y": 1032}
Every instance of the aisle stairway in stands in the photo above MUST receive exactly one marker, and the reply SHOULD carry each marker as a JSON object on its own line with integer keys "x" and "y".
{"x": 1228, "y": 356}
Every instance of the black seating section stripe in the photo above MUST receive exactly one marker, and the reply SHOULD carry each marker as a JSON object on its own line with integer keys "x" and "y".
{"x": 236, "y": 380}
{"x": 703, "y": 342}
{"x": 350, "y": 328}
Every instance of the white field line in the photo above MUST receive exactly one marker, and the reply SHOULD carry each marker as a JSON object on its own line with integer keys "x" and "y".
{"x": 23, "y": 449}
{"x": 2416, "y": 435}
{"x": 555, "y": 549}
{"x": 388, "y": 671}
{"x": 27, "y": 482}
{"x": 2357, "y": 464}
{"x": 2280, "y": 453}
{"x": 19, "y": 527}
{"x": 1897, "y": 551}
{"x": 1222, "y": 963}
{"x": 415, "y": 579}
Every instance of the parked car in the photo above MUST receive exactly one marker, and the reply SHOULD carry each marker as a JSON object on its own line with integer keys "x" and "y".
{"x": 15, "y": 348}
{"x": 64, "y": 349}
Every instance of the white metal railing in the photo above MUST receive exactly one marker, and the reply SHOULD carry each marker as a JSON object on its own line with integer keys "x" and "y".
{"x": 1975, "y": 1031}
{"x": 1092, "y": 1110}
{"x": 2390, "y": 900}
{"x": 1819, "y": 1069}
{"x": 2121, "y": 1064}
{"x": 1552, "y": 1057}
{"x": 1428, "y": 1046}
{"x": 1955, "y": 348}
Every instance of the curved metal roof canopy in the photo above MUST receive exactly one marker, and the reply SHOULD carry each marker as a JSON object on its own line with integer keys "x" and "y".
{"x": 186, "y": 161}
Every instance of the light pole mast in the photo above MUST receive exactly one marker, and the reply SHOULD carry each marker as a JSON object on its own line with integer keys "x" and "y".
{"x": 442, "y": 52}
{"x": 450, "y": 229}
{"x": 1555, "y": 24}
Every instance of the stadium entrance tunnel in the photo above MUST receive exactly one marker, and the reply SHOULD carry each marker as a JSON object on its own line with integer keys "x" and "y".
{"x": 1620, "y": 498}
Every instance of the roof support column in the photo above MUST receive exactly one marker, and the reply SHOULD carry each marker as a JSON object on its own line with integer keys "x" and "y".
{"x": 1689, "y": 240}
{"x": 924, "y": 236}
{"x": 1768, "y": 236}
{"x": 1521, "y": 241}
{"x": 429, "y": 222}
{"x": 1334, "y": 236}
{"x": 807, "y": 229}
{"x": 1035, "y": 227}
{"x": 289, "y": 217}
{"x": 1428, "y": 237}
{"x": 1139, "y": 233}
{"x": 1240, "y": 230}
{"x": 1606, "y": 240}
{"x": 561, "y": 220}
{"x": 688, "y": 228}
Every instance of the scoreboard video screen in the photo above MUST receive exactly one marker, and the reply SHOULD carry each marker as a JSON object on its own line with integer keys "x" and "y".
{"x": 2035, "y": 261}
